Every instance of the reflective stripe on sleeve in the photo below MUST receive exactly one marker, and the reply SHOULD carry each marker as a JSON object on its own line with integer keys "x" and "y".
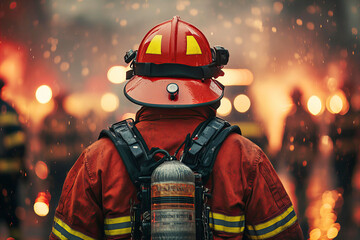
{"x": 10, "y": 165}
{"x": 273, "y": 226}
{"x": 63, "y": 231}
{"x": 9, "y": 119}
{"x": 14, "y": 140}
{"x": 228, "y": 224}
{"x": 117, "y": 226}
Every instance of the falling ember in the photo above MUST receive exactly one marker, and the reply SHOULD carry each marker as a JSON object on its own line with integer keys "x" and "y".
{"x": 238, "y": 40}
{"x": 332, "y": 84}
{"x": 354, "y": 31}
{"x": 194, "y": 12}
{"x": 46, "y": 54}
{"x": 278, "y": 7}
{"x": 326, "y": 145}
{"x": 109, "y": 102}
{"x": 135, "y": 6}
{"x": 227, "y": 24}
{"x": 43, "y": 94}
{"x": 314, "y": 105}
{"x": 123, "y": 22}
{"x": 117, "y": 74}
{"x": 310, "y": 26}
{"x": 237, "y": 20}
{"x": 292, "y": 147}
{"x": 57, "y": 59}
{"x": 41, "y": 205}
{"x": 85, "y": 71}
{"x": 225, "y": 107}
{"x": 64, "y": 66}
{"x": 180, "y": 6}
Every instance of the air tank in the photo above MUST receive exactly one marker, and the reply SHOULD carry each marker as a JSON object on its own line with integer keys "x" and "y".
{"x": 173, "y": 202}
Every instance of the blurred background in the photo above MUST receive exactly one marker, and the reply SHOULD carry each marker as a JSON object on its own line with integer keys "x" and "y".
{"x": 292, "y": 85}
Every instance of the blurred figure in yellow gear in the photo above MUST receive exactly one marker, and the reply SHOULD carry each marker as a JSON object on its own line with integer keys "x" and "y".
{"x": 12, "y": 164}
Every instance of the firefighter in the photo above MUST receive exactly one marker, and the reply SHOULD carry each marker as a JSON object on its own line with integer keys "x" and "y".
{"x": 299, "y": 148}
{"x": 12, "y": 165}
{"x": 173, "y": 79}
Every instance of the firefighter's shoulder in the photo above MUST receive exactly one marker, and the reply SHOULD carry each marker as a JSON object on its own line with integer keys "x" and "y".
{"x": 102, "y": 156}
{"x": 240, "y": 150}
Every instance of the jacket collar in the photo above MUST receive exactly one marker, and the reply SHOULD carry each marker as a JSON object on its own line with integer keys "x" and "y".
{"x": 154, "y": 114}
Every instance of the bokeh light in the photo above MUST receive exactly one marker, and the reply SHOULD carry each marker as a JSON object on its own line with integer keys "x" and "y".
{"x": 41, "y": 205}
{"x": 315, "y": 234}
{"x": 335, "y": 104}
{"x": 225, "y": 107}
{"x": 128, "y": 115}
{"x": 109, "y": 102}
{"x": 242, "y": 103}
{"x": 332, "y": 233}
{"x": 314, "y": 105}
{"x": 41, "y": 209}
{"x": 41, "y": 170}
{"x": 43, "y": 94}
{"x": 236, "y": 77}
{"x": 117, "y": 74}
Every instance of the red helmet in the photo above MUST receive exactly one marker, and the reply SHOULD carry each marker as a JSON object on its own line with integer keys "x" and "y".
{"x": 175, "y": 68}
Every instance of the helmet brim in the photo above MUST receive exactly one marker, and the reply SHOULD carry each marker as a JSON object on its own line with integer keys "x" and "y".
{"x": 151, "y": 92}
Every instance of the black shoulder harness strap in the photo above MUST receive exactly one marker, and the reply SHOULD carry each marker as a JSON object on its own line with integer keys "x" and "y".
{"x": 130, "y": 145}
{"x": 199, "y": 153}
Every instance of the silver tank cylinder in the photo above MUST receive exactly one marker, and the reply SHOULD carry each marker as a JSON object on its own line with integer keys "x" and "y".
{"x": 173, "y": 202}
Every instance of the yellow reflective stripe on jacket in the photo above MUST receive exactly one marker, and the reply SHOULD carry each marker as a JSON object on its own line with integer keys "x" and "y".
{"x": 10, "y": 165}
{"x": 63, "y": 231}
{"x": 117, "y": 226}
{"x": 58, "y": 234}
{"x": 229, "y": 224}
{"x": 15, "y": 139}
{"x": 273, "y": 226}
{"x": 9, "y": 119}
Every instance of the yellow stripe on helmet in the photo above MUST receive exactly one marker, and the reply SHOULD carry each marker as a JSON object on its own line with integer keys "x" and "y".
{"x": 155, "y": 45}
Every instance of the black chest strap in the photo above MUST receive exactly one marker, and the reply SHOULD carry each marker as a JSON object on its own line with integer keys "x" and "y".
{"x": 201, "y": 152}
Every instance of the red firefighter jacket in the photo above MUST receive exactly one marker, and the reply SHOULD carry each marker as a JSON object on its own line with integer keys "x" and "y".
{"x": 248, "y": 200}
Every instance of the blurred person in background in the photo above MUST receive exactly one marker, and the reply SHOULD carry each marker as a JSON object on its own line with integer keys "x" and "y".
{"x": 12, "y": 164}
{"x": 299, "y": 147}
{"x": 345, "y": 133}
{"x": 63, "y": 138}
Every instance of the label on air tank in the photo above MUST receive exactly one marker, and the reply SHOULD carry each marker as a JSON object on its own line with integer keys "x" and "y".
{"x": 173, "y": 211}
{"x": 172, "y": 195}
